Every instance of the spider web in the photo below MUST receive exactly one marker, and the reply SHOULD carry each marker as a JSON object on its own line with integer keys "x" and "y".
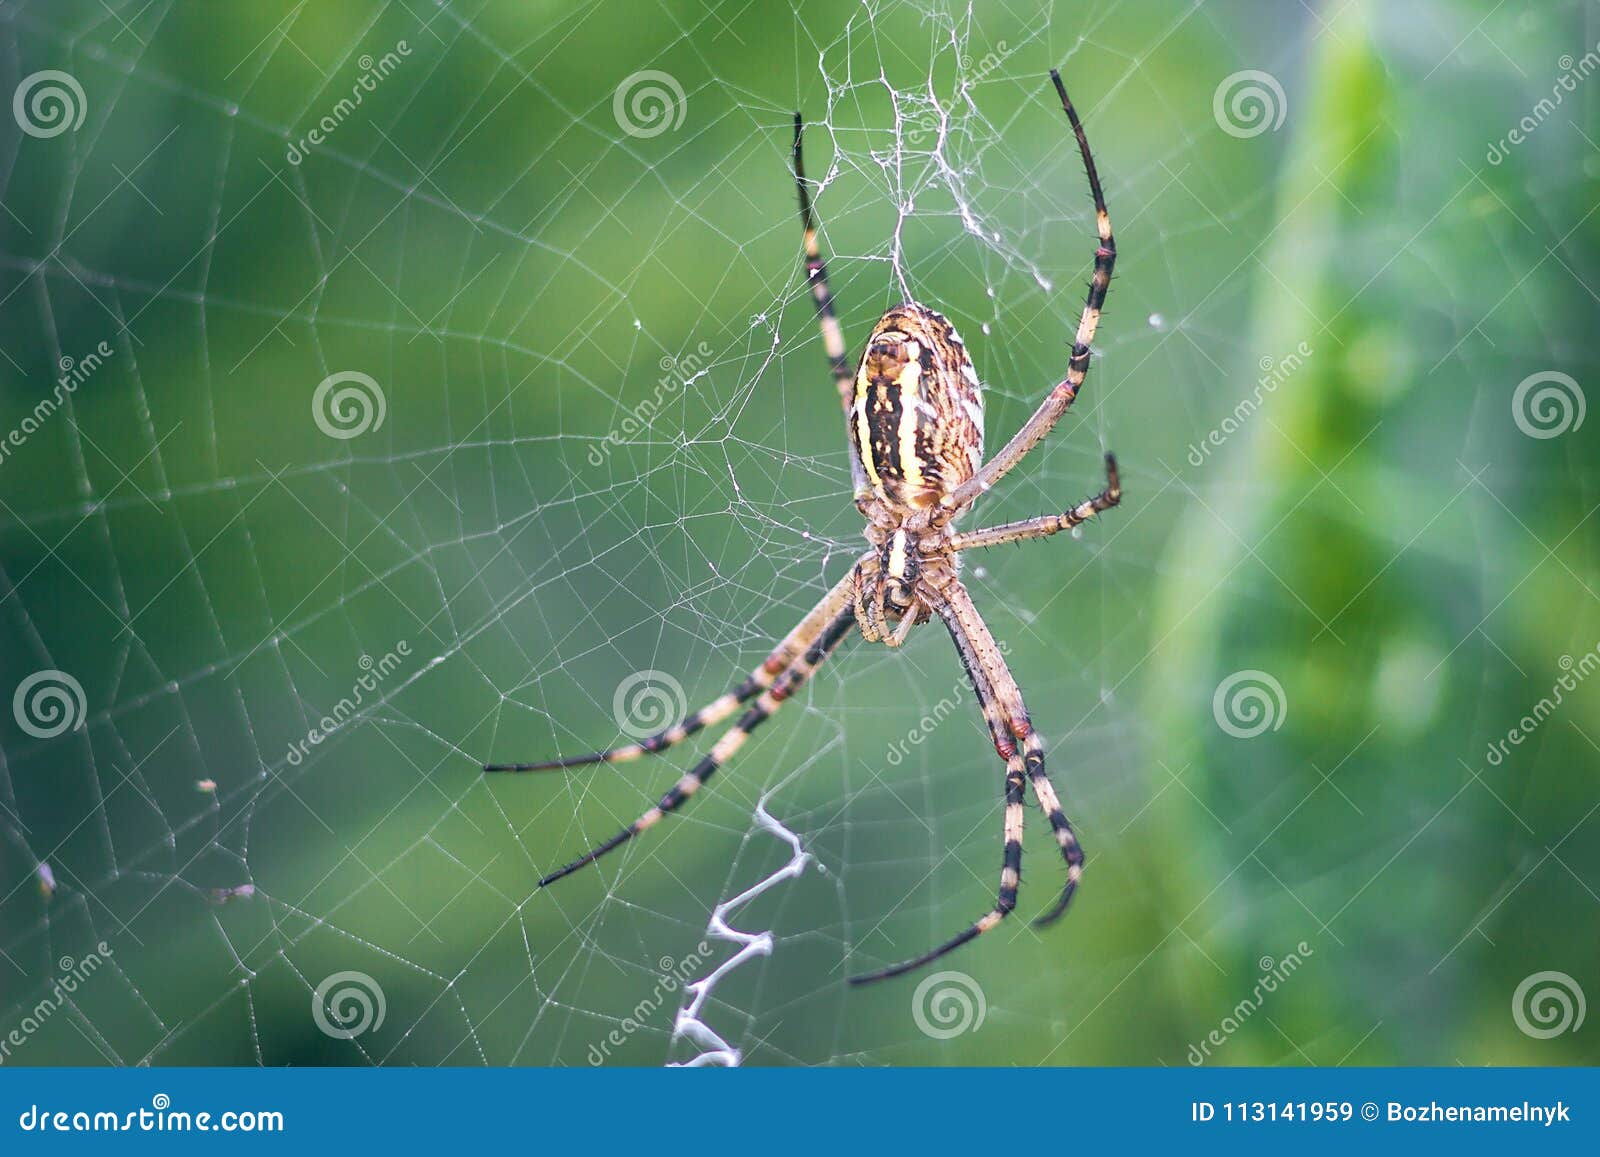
{"x": 608, "y": 472}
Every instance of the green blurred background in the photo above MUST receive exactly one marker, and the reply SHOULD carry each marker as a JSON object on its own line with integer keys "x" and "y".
{"x": 1381, "y": 544}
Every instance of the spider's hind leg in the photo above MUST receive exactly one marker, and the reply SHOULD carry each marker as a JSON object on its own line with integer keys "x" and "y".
{"x": 1016, "y": 742}
{"x": 1005, "y": 744}
{"x": 1044, "y": 793}
{"x": 1010, "y": 878}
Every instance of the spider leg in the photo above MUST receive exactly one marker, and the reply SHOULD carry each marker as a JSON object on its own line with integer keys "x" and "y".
{"x": 762, "y": 710}
{"x": 1049, "y": 523}
{"x": 797, "y": 640}
{"x": 969, "y": 629}
{"x": 902, "y": 632}
{"x": 1060, "y": 398}
{"x": 869, "y": 607}
{"x": 1010, "y": 877}
{"x": 1007, "y": 720}
{"x": 1011, "y": 855}
{"x": 832, "y": 335}
{"x": 1071, "y": 851}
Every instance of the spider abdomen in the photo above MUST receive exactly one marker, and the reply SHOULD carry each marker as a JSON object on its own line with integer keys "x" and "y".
{"x": 917, "y": 418}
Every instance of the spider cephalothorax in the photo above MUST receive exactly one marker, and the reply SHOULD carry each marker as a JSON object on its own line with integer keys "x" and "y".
{"x": 913, "y": 412}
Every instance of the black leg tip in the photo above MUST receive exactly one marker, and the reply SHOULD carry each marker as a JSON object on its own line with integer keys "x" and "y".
{"x": 867, "y": 978}
{"x": 1059, "y": 910}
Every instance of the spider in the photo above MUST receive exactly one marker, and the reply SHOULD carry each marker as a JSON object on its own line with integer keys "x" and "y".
{"x": 913, "y": 410}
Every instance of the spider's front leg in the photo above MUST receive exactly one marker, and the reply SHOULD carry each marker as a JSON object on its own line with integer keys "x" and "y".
{"x": 1057, "y": 402}
{"x": 1047, "y": 524}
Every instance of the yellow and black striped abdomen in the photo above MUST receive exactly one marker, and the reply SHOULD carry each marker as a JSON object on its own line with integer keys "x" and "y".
{"x": 917, "y": 419}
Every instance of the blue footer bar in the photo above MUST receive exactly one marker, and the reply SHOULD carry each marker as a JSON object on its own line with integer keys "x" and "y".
{"x": 796, "y": 1111}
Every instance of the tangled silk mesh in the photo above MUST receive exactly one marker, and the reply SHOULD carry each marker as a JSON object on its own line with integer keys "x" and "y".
{"x": 608, "y": 446}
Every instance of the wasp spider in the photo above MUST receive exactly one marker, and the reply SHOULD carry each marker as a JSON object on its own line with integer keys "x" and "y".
{"x": 914, "y": 415}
